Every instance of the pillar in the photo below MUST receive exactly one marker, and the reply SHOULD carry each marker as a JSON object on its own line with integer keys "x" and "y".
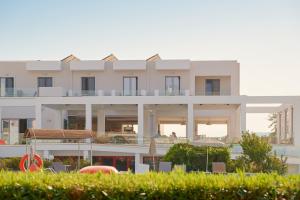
{"x": 100, "y": 122}
{"x": 137, "y": 161}
{"x": 46, "y": 154}
{"x": 0, "y": 122}
{"x": 243, "y": 118}
{"x": 88, "y": 116}
{"x": 86, "y": 155}
{"x": 296, "y": 125}
{"x": 278, "y": 127}
{"x": 38, "y": 115}
{"x": 190, "y": 122}
{"x": 140, "y": 135}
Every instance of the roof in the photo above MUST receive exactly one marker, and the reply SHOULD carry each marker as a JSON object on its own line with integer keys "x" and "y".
{"x": 110, "y": 57}
{"x": 69, "y": 58}
{"x": 154, "y": 58}
{"x": 58, "y": 134}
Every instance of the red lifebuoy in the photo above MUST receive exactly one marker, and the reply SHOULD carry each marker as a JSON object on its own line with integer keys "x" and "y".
{"x": 36, "y": 165}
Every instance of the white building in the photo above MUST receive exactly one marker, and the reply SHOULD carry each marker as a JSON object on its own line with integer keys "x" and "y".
{"x": 127, "y": 102}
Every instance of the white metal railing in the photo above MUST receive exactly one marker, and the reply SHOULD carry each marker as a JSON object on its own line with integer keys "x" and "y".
{"x": 19, "y": 92}
{"x": 63, "y": 92}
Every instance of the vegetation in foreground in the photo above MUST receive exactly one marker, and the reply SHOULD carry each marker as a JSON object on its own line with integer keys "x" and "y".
{"x": 174, "y": 185}
{"x": 257, "y": 156}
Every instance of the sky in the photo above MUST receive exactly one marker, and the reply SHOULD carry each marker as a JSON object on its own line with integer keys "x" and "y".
{"x": 262, "y": 35}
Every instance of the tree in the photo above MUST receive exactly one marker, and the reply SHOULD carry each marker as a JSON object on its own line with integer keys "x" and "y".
{"x": 257, "y": 156}
{"x": 194, "y": 157}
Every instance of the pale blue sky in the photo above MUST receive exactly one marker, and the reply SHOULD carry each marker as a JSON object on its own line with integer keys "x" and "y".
{"x": 264, "y": 36}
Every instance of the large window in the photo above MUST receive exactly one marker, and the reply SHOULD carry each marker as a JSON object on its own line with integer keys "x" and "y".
{"x": 172, "y": 85}
{"x": 7, "y": 86}
{"x": 45, "y": 82}
{"x": 212, "y": 87}
{"x": 5, "y": 129}
{"x": 88, "y": 86}
{"x": 130, "y": 86}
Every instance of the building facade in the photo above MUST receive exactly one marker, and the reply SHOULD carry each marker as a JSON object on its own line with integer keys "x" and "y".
{"x": 128, "y": 102}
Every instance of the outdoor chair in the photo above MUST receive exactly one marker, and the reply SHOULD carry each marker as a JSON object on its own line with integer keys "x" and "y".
{"x": 59, "y": 167}
{"x": 165, "y": 166}
{"x": 218, "y": 167}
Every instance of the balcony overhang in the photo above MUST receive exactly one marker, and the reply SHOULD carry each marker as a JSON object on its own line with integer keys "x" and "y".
{"x": 172, "y": 65}
{"x": 43, "y": 66}
{"x": 129, "y": 65}
{"x": 87, "y": 65}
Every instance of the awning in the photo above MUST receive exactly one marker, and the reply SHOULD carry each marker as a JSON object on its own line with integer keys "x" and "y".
{"x": 58, "y": 134}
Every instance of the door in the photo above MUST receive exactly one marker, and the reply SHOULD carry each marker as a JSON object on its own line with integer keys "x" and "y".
{"x": 172, "y": 85}
{"x": 7, "y": 86}
{"x": 88, "y": 86}
{"x": 130, "y": 86}
{"x": 5, "y": 129}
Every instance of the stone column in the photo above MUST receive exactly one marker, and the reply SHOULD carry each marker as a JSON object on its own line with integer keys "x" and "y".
{"x": 190, "y": 122}
{"x": 100, "y": 122}
{"x": 88, "y": 116}
{"x": 140, "y": 135}
{"x": 38, "y": 116}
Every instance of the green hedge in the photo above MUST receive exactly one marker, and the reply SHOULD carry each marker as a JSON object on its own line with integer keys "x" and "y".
{"x": 175, "y": 185}
{"x": 195, "y": 157}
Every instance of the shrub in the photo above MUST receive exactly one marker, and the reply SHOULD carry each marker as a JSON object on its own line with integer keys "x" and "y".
{"x": 10, "y": 163}
{"x": 194, "y": 157}
{"x": 174, "y": 185}
{"x": 257, "y": 156}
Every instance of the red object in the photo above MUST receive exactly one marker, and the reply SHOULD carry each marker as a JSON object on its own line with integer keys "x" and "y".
{"x": 102, "y": 169}
{"x": 2, "y": 142}
{"x": 36, "y": 165}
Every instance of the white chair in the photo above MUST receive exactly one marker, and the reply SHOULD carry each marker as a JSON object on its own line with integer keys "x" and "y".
{"x": 142, "y": 168}
{"x": 165, "y": 166}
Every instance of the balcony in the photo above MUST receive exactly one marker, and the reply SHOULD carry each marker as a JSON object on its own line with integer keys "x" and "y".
{"x": 19, "y": 92}
{"x": 63, "y": 92}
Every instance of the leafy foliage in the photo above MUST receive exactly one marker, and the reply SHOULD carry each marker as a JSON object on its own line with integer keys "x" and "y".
{"x": 174, "y": 185}
{"x": 258, "y": 157}
{"x": 195, "y": 157}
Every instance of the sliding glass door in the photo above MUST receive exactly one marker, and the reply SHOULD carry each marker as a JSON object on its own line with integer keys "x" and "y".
{"x": 130, "y": 86}
{"x": 172, "y": 85}
{"x": 88, "y": 86}
{"x": 7, "y": 86}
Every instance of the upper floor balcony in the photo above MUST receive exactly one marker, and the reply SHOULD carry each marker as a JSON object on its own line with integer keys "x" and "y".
{"x": 63, "y": 92}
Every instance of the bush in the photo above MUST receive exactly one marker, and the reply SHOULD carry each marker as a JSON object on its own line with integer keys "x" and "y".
{"x": 174, "y": 185}
{"x": 257, "y": 156}
{"x": 10, "y": 163}
{"x": 194, "y": 157}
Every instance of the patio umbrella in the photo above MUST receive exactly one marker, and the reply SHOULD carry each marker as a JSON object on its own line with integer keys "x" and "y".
{"x": 152, "y": 150}
{"x": 209, "y": 143}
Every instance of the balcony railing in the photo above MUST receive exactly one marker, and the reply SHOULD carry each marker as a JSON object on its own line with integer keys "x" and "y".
{"x": 19, "y": 92}
{"x": 62, "y": 92}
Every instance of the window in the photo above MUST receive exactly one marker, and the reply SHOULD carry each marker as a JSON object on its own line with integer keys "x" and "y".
{"x": 172, "y": 85}
{"x": 212, "y": 87}
{"x": 130, "y": 86}
{"x": 5, "y": 129}
{"x": 88, "y": 86}
{"x": 45, "y": 82}
{"x": 7, "y": 86}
